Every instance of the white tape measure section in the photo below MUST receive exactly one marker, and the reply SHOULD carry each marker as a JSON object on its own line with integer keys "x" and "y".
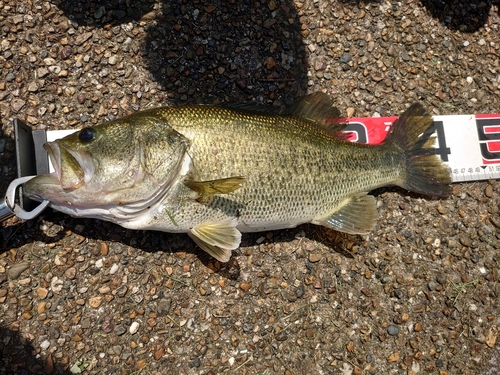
{"x": 470, "y": 145}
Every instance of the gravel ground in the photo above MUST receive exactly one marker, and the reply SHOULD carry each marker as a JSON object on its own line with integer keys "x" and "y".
{"x": 417, "y": 296}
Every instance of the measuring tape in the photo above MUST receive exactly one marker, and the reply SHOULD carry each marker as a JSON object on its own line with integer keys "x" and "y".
{"x": 468, "y": 144}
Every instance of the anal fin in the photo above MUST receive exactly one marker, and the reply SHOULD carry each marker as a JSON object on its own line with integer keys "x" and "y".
{"x": 356, "y": 216}
{"x": 217, "y": 239}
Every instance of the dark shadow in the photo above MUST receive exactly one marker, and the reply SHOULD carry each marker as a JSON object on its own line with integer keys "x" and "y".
{"x": 106, "y": 12}
{"x": 18, "y": 356}
{"x": 459, "y": 15}
{"x": 212, "y": 52}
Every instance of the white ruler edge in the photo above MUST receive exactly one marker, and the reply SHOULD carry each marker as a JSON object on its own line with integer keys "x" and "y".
{"x": 463, "y": 148}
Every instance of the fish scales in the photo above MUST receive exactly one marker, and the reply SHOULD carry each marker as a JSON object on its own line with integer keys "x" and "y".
{"x": 294, "y": 171}
{"x": 214, "y": 172}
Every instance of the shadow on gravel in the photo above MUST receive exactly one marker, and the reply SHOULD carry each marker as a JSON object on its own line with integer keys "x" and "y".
{"x": 18, "y": 356}
{"x": 57, "y": 225}
{"x": 195, "y": 49}
{"x": 459, "y": 15}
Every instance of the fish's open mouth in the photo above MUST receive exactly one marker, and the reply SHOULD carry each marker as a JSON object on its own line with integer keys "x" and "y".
{"x": 71, "y": 168}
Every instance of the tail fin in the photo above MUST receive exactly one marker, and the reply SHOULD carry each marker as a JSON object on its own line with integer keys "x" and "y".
{"x": 423, "y": 171}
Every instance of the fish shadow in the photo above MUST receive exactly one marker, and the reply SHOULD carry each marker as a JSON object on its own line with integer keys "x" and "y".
{"x": 343, "y": 244}
{"x": 60, "y": 227}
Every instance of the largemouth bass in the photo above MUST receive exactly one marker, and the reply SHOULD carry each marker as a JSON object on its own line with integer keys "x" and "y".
{"x": 214, "y": 172}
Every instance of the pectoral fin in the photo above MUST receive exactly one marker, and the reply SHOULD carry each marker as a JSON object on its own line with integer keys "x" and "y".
{"x": 206, "y": 189}
{"x": 217, "y": 239}
{"x": 356, "y": 216}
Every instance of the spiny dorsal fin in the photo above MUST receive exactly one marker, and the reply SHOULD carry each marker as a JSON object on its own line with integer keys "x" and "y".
{"x": 319, "y": 109}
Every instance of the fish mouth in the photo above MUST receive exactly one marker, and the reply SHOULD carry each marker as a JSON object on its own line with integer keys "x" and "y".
{"x": 72, "y": 169}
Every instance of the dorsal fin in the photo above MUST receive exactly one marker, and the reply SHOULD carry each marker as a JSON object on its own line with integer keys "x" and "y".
{"x": 316, "y": 108}
{"x": 319, "y": 109}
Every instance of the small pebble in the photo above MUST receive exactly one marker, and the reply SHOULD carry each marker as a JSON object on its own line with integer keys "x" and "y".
{"x": 245, "y": 286}
{"x": 488, "y": 191}
{"x": 70, "y": 273}
{"x": 398, "y": 293}
{"x": 431, "y": 285}
{"x": 345, "y": 58}
{"x": 45, "y": 344}
{"x": 42, "y": 292}
{"x": 95, "y": 302}
{"x": 465, "y": 241}
{"x": 315, "y": 257}
{"x": 394, "y": 357}
{"x": 120, "y": 330}
{"x": 114, "y": 268}
{"x": 134, "y": 327}
{"x": 392, "y": 330}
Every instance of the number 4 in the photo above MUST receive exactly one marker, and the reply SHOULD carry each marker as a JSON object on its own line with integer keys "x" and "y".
{"x": 442, "y": 150}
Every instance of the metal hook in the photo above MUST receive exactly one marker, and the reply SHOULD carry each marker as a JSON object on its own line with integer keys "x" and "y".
{"x": 9, "y": 207}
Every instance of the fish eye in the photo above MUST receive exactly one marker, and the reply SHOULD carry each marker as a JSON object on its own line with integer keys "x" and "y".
{"x": 86, "y": 135}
